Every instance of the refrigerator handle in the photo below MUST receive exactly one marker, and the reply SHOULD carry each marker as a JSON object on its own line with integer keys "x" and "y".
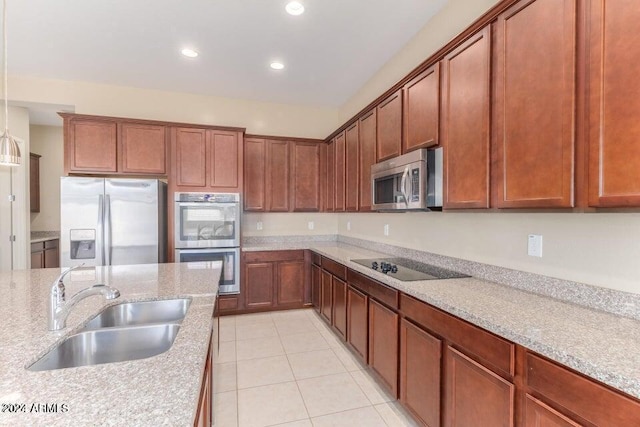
{"x": 100, "y": 236}
{"x": 107, "y": 229}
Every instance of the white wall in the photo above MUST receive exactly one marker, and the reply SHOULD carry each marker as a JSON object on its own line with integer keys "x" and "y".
{"x": 258, "y": 117}
{"x": 48, "y": 142}
{"x": 289, "y": 224}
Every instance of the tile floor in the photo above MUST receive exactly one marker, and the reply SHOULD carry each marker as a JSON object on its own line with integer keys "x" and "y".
{"x": 287, "y": 368}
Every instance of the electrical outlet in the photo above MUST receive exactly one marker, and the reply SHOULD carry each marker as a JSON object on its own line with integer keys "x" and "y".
{"x": 386, "y": 229}
{"x": 259, "y": 225}
{"x": 311, "y": 225}
{"x": 535, "y": 245}
{"x": 348, "y": 225}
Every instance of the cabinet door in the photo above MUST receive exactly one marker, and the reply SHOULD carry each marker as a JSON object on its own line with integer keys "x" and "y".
{"x": 340, "y": 306}
{"x": 389, "y": 121}
{"x": 51, "y": 254}
{"x": 326, "y": 296}
{"x": 420, "y": 367}
{"x": 472, "y": 393}
{"x": 357, "y": 322}
{"x": 339, "y": 172}
{"x": 422, "y": 110}
{"x": 189, "y": 148}
{"x": 258, "y": 284}
{"x": 290, "y": 283}
{"x": 224, "y": 168}
{"x": 614, "y": 104}
{"x": 37, "y": 259}
{"x": 465, "y": 123}
{"x": 277, "y": 176}
{"x": 92, "y": 146}
{"x": 367, "y": 135}
{"x": 316, "y": 277}
{"x": 254, "y": 174}
{"x": 351, "y": 167}
{"x": 143, "y": 149}
{"x": 537, "y": 414}
{"x": 383, "y": 344}
{"x": 534, "y": 104}
{"x": 34, "y": 182}
{"x": 305, "y": 177}
{"x": 330, "y": 203}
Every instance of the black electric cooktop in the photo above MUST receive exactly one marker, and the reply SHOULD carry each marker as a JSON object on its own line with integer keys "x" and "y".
{"x": 408, "y": 270}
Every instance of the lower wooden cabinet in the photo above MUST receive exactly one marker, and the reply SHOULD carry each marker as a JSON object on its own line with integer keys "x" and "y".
{"x": 475, "y": 394}
{"x": 383, "y": 344}
{"x": 258, "y": 289}
{"x": 326, "y": 296}
{"x": 45, "y": 254}
{"x": 204, "y": 416}
{"x": 358, "y": 322}
{"x": 339, "y": 307}
{"x": 290, "y": 283}
{"x": 420, "y": 373}
{"x": 537, "y": 414}
{"x": 316, "y": 277}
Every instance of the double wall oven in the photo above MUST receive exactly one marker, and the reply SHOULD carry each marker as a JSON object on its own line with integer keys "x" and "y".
{"x": 207, "y": 228}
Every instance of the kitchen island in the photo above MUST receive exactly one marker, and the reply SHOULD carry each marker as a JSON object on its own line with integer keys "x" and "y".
{"x": 160, "y": 390}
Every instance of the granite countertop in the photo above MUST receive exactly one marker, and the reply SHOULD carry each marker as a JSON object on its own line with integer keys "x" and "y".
{"x": 43, "y": 236}
{"x": 161, "y": 390}
{"x": 601, "y": 345}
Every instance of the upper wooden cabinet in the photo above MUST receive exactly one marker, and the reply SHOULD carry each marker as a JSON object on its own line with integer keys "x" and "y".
{"x": 389, "y": 130}
{"x": 305, "y": 176}
{"x": 330, "y": 181}
{"x": 465, "y": 122}
{"x": 34, "y": 182}
{"x": 277, "y": 182}
{"x": 111, "y": 146}
{"x": 254, "y": 174}
{"x": 351, "y": 167}
{"x": 614, "y": 104}
{"x": 143, "y": 149}
{"x": 206, "y": 159}
{"x": 339, "y": 173}
{"x": 533, "y": 117}
{"x": 422, "y": 110}
{"x": 367, "y": 157}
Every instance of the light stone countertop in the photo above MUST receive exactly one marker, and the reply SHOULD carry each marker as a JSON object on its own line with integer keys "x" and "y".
{"x": 43, "y": 236}
{"x": 601, "y": 345}
{"x": 161, "y": 390}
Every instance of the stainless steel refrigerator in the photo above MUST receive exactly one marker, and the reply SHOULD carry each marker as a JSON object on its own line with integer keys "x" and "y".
{"x": 115, "y": 221}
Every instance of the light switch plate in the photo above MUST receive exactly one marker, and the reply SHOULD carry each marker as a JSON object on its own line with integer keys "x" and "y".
{"x": 259, "y": 225}
{"x": 535, "y": 245}
{"x": 386, "y": 229}
{"x": 348, "y": 225}
{"x": 311, "y": 225}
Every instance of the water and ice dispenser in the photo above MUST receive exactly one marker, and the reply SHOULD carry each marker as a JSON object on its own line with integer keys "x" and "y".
{"x": 82, "y": 243}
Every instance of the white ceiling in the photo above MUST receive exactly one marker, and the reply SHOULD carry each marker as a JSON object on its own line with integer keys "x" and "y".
{"x": 330, "y": 51}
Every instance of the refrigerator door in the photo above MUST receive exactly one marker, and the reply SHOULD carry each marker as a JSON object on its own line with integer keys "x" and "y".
{"x": 81, "y": 221}
{"x": 134, "y": 217}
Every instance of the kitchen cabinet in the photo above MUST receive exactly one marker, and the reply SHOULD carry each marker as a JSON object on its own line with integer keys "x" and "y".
{"x": 45, "y": 254}
{"x": 339, "y": 172}
{"x": 420, "y": 373}
{"x": 273, "y": 280}
{"x": 189, "y": 146}
{"x": 352, "y": 142}
{"x": 330, "y": 201}
{"x": 613, "y": 104}
{"x": 224, "y": 160}
{"x": 34, "y": 182}
{"x": 305, "y": 176}
{"x": 316, "y": 277}
{"x": 383, "y": 344}
{"x": 204, "y": 415}
{"x": 358, "y": 322}
{"x": 326, "y": 296}
{"x": 465, "y": 123}
{"x": 421, "y": 113}
{"x": 277, "y": 182}
{"x": 539, "y": 414}
{"x": 367, "y": 135}
{"x": 334, "y": 295}
{"x": 389, "y": 127}
{"x": 339, "y": 306}
{"x": 255, "y": 173}
{"x": 533, "y": 110}
{"x": 113, "y": 146}
{"x": 142, "y": 149}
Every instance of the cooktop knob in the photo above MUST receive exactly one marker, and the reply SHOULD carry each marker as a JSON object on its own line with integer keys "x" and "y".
{"x": 374, "y": 265}
{"x": 394, "y": 268}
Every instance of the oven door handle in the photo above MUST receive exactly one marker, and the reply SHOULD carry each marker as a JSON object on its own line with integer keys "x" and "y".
{"x": 206, "y": 204}
{"x": 403, "y": 184}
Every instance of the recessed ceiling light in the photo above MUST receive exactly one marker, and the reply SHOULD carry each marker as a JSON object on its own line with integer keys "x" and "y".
{"x": 190, "y": 53}
{"x": 294, "y": 8}
{"x": 277, "y": 65}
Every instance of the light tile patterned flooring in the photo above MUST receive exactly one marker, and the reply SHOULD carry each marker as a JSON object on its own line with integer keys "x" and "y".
{"x": 287, "y": 368}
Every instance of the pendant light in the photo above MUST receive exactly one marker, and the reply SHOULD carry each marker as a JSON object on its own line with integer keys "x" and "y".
{"x": 9, "y": 150}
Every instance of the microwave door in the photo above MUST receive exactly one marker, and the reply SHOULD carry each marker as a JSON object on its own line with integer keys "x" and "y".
{"x": 389, "y": 188}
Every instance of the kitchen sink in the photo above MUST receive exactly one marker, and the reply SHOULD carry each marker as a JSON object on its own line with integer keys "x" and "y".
{"x": 140, "y": 313}
{"x": 108, "y": 346}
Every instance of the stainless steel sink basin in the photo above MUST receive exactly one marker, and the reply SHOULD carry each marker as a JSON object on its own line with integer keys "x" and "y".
{"x": 108, "y": 346}
{"x": 140, "y": 313}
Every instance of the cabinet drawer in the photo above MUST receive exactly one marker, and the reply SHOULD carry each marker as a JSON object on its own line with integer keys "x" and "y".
{"x": 493, "y": 351}
{"x": 377, "y": 290}
{"x": 273, "y": 256}
{"x": 316, "y": 258}
{"x": 51, "y": 244}
{"x": 37, "y": 247}
{"x": 579, "y": 395}
{"x": 228, "y": 303}
{"x": 334, "y": 268}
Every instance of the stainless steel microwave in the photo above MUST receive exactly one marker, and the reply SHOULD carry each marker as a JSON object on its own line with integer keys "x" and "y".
{"x": 412, "y": 181}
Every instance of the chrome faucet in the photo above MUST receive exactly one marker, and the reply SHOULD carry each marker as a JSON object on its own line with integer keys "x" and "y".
{"x": 59, "y": 307}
